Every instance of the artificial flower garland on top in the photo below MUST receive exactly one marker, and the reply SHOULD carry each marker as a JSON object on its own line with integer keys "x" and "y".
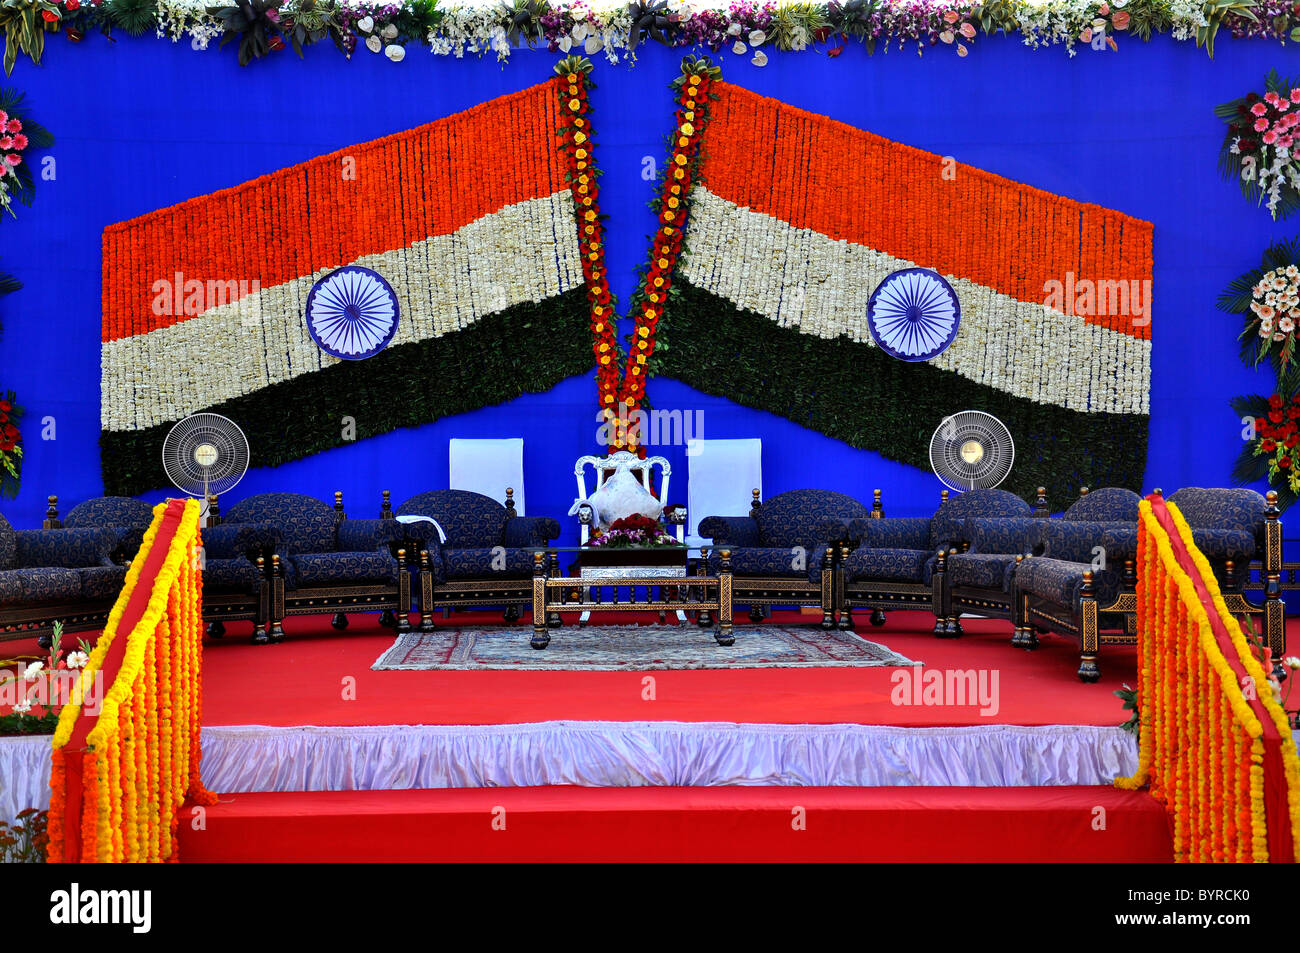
{"x": 266, "y": 27}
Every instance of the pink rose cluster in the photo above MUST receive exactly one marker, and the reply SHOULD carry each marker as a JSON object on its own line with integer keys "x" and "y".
{"x": 12, "y": 141}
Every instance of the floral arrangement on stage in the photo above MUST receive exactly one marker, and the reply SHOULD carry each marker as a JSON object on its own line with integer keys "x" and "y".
{"x": 20, "y": 135}
{"x": 1269, "y": 297}
{"x": 634, "y": 530}
{"x": 1259, "y": 147}
{"x": 1270, "y": 451}
{"x": 615, "y": 28}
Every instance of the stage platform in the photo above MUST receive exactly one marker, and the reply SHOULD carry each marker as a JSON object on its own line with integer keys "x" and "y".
{"x": 301, "y": 735}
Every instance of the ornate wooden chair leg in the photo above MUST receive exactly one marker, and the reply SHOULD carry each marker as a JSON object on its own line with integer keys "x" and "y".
{"x": 541, "y": 636}
{"x": 265, "y": 598}
{"x": 1089, "y": 671}
{"x": 877, "y": 617}
{"x": 216, "y": 630}
{"x": 340, "y": 620}
{"x": 553, "y": 619}
{"x": 705, "y": 619}
{"x": 425, "y": 599}
{"x": 725, "y": 635}
{"x": 403, "y": 593}
{"x": 936, "y": 593}
{"x": 829, "y": 607}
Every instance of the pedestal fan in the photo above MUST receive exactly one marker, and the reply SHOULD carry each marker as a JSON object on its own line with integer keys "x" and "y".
{"x": 205, "y": 454}
{"x": 971, "y": 449}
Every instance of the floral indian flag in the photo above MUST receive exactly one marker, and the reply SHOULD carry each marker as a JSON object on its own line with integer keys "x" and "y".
{"x": 795, "y": 219}
{"x": 467, "y": 222}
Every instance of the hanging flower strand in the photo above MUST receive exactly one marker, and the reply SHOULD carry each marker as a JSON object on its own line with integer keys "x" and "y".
{"x": 577, "y": 145}
{"x": 671, "y": 208}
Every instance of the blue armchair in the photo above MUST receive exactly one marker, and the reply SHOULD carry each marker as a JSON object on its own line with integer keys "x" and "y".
{"x": 321, "y": 560}
{"x": 783, "y": 553}
{"x": 981, "y": 579}
{"x": 899, "y": 562}
{"x": 486, "y": 558}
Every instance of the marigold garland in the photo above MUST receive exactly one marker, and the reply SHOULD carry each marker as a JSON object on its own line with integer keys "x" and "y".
{"x": 620, "y": 397}
{"x": 1201, "y": 746}
{"x": 141, "y": 760}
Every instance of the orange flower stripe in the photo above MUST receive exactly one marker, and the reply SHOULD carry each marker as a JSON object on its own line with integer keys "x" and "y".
{"x": 815, "y": 173}
{"x": 139, "y": 757}
{"x": 377, "y": 196}
{"x": 1204, "y": 704}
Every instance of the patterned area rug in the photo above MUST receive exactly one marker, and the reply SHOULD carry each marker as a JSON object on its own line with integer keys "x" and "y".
{"x": 612, "y": 648}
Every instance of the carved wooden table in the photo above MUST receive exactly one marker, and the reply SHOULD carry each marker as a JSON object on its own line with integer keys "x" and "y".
{"x": 662, "y": 588}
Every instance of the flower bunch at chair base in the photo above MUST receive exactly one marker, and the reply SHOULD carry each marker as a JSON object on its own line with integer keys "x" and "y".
{"x": 634, "y": 530}
{"x": 1271, "y": 447}
{"x": 35, "y": 691}
{"x": 1260, "y": 145}
{"x": 1269, "y": 297}
{"x": 19, "y": 137}
{"x": 670, "y": 206}
{"x": 577, "y": 146}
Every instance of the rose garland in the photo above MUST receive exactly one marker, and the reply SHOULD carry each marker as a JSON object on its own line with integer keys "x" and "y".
{"x": 11, "y": 447}
{"x": 1260, "y": 143}
{"x": 616, "y": 28}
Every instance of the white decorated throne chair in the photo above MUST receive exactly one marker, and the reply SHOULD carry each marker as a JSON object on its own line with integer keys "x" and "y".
{"x": 622, "y": 486}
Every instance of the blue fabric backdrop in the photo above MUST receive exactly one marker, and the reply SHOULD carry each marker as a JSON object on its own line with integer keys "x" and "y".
{"x": 142, "y": 124}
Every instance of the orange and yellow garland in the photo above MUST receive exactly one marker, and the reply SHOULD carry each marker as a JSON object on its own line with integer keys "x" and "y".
{"x": 140, "y": 761}
{"x": 621, "y": 397}
{"x": 1202, "y": 745}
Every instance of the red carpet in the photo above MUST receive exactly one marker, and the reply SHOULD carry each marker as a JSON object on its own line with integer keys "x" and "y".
{"x": 305, "y": 680}
{"x": 686, "y": 824}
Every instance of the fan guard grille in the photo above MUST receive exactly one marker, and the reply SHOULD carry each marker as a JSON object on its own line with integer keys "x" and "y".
{"x": 972, "y": 449}
{"x": 205, "y": 453}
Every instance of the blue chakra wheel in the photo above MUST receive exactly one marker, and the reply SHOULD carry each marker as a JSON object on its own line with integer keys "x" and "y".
{"x": 914, "y": 314}
{"x": 352, "y": 313}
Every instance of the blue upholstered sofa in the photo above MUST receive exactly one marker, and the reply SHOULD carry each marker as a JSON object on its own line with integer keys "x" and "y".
{"x": 319, "y": 560}
{"x": 487, "y": 557}
{"x": 49, "y": 575}
{"x": 784, "y": 552}
{"x": 899, "y": 562}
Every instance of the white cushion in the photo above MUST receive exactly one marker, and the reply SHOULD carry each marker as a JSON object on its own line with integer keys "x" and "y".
{"x": 622, "y": 495}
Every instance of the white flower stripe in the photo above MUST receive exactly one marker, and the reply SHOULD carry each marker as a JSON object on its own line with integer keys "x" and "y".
{"x": 801, "y": 278}
{"x": 526, "y": 252}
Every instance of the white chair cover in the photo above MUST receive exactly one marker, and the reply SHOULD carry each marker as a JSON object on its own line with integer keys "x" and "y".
{"x": 488, "y": 467}
{"x": 721, "y": 478}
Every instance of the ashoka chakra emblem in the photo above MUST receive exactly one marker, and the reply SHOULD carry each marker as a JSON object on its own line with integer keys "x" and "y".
{"x": 914, "y": 314}
{"x": 352, "y": 313}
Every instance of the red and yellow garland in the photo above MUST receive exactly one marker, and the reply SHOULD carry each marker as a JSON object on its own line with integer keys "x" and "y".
{"x": 139, "y": 759}
{"x": 1203, "y": 699}
{"x": 621, "y": 398}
